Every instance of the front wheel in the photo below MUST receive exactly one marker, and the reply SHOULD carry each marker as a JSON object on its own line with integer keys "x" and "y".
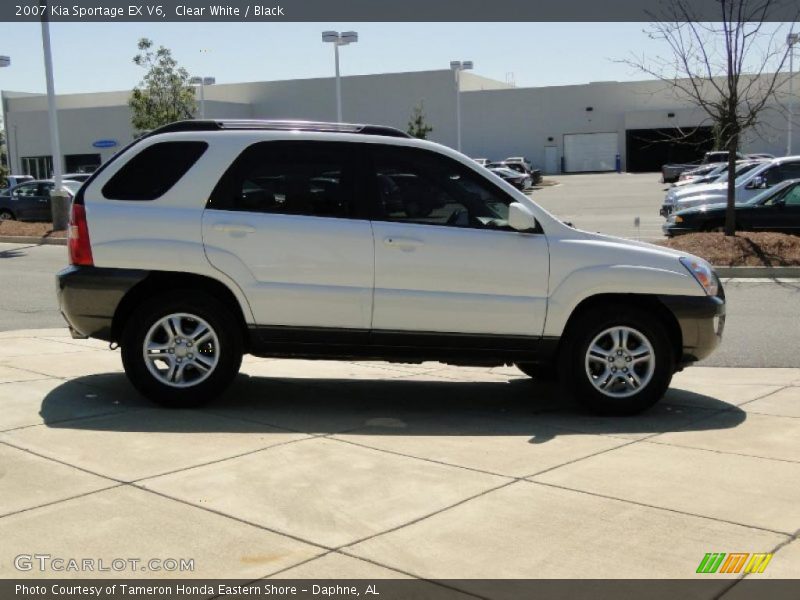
{"x": 181, "y": 349}
{"x": 6, "y": 215}
{"x": 617, "y": 360}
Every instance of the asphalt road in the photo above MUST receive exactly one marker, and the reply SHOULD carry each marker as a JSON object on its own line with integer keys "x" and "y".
{"x": 762, "y": 328}
{"x": 608, "y": 202}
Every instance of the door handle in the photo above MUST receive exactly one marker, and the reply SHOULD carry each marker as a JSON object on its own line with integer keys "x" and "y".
{"x": 234, "y": 228}
{"x": 402, "y": 243}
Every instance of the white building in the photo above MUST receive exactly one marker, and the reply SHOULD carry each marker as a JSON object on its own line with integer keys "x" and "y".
{"x": 559, "y": 128}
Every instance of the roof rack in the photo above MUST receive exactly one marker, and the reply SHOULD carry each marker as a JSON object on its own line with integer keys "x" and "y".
{"x": 253, "y": 124}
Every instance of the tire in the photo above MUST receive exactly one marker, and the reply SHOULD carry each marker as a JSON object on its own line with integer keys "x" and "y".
{"x": 539, "y": 372}
{"x": 583, "y": 374}
{"x": 170, "y": 323}
{"x": 7, "y": 215}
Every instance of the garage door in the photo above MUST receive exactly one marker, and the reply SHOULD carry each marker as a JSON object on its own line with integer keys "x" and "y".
{"x": 590, "y": 152}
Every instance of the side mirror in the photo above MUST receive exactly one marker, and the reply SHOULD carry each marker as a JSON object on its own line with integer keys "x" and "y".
{"x": 757, "y": 183}
{"x": 520, "y": 217}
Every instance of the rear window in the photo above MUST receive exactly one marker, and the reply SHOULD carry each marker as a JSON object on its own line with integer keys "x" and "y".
{"x": 153, "y": 172}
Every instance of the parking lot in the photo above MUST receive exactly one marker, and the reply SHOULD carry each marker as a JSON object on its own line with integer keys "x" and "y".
{"x": 378, "y": 470}
{"x": 608, "y": 202}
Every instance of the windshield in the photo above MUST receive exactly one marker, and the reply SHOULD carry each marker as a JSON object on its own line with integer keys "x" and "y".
{"x": 740, "y": 170}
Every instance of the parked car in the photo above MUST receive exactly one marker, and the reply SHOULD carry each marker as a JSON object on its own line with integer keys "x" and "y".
{"x": 519, "y": 179}
{"x": 482, "y": 161}
{"x": 760, "y": 155}
{"x": 720, "y": 173}
{"x": 694, "y": 176}
{"x": 776, "y": 209}
{"x": 81, "y": 177}
{"x": 675, "y": 194}
{"x": 203, "y": 240}
{"x": 671, "y": 172}
{"x": 536, "y": 174}
{"x": 31, "y": 201}
{"x": 751, "y": 178}
{"x": 14, "y": 180}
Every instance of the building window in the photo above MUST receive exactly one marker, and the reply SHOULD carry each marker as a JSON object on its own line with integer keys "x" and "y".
{"x": 39, "y": 167}
{"x": 81, "y": 163}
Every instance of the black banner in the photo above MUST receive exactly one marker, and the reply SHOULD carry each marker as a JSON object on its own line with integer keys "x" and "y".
{"x": 366, "y": 10}
{"x": 406, "y": 589}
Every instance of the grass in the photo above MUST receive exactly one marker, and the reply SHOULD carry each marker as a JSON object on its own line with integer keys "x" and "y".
{"x": 745, "y": 249}
{"x": 20, "y": 228}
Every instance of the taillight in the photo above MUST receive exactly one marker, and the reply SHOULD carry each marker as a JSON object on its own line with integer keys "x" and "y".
{"x": 80, "y": 250}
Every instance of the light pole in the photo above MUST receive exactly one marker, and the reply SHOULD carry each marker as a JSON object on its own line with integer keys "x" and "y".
{"x": 59, "y": 197}
{"x": 339, "y": 39}
{"x": 202, "y": 82}
{"x": 457, "y": 66}
{"x": 791, "y": 39}
{"x": 5, "y": 61}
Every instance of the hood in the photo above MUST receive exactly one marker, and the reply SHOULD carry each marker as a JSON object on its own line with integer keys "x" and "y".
{"x": 703, "y": 188}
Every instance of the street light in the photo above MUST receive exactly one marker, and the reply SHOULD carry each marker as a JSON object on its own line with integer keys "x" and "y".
{"x": 457, "y": 66}
{"x": 791, "y": 39}
{"x": 202, "y": 82}
{"x": 339, "y": 39}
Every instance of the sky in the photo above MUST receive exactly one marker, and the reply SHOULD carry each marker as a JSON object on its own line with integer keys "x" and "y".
{"x": 90, "y": 57}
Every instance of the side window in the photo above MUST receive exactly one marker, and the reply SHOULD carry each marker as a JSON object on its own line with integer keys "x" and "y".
{"x": 792, "y": 198}
{"x": 418, "y": 186}
{"x": 790, "y": 171}
{"x": 26, "y": 191}
{"x": 152, "y": 173}
{"x": 45, "y": 189}
{"x": 291, "y": 178}
{"x": 772, "y": 176}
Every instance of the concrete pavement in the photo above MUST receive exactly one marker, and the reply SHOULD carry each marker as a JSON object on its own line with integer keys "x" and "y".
{"x": 373, "y": 470}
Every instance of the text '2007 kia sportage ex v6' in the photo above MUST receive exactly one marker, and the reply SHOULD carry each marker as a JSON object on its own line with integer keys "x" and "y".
{"x": 205, "y": 240}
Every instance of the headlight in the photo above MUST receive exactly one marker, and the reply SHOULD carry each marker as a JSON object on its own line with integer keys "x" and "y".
{"x": 703, "y": 273}
{"x": 677, "y": 219}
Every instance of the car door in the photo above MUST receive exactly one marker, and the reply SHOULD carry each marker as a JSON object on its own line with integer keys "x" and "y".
{"x": 778, "y": 213}
{"x": 25, "y": 201}
{"x": 445, "y": 260}
{"x": 41, "y": 203}
{"x": 286, "y": 222}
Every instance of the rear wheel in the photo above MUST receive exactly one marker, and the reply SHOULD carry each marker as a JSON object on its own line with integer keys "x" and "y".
{"x": 617, "y": 360}
{"x": 181, "y": 349}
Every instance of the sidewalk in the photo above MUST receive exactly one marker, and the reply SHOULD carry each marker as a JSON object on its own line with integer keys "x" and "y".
{"x": 368, "y": 470}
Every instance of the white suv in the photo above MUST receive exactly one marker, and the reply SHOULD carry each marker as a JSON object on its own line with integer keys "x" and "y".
{"x": 208, "y": 239}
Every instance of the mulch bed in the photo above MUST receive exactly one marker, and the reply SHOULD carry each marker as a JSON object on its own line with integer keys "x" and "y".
{"x": 30, "y": 229}
{"x": 745, "y": 249}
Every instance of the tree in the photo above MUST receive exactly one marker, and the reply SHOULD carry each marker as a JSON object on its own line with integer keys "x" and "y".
{"x": 164, "y": 94}
{"x": 417, "y": 126}
{"x": 730, "y": 68}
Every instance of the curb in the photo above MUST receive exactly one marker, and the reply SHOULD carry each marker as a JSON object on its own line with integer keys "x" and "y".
{"x": 28, "y": 239}
{"x": 758, "y": 272}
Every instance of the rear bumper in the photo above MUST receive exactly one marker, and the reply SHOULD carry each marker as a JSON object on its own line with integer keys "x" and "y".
{"x": 88, "y": 297}
{"x": 701, "y": 320}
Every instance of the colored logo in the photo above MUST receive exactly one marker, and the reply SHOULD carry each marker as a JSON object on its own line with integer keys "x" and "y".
{"x": 104, "y": 143}
{"x": 735, "y": 562}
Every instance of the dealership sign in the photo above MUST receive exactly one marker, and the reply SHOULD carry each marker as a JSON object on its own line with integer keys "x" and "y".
{"x": 104, "y": 143}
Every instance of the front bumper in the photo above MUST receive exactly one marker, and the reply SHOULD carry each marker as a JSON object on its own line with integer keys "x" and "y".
{"x": 701, "y": 320}
{"x": 88, "y": 297}
{"x": 672, "y": 229}
{"x": 666, "y": 210}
